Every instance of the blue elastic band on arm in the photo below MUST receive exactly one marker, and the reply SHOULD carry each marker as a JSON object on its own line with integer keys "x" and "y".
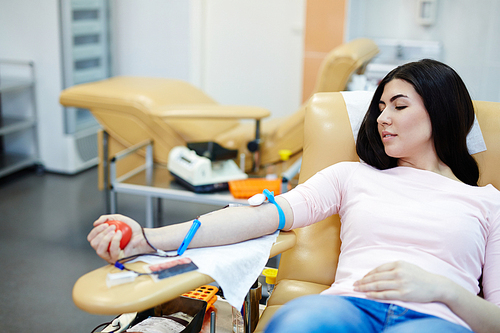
{"x": 270, "y": 196}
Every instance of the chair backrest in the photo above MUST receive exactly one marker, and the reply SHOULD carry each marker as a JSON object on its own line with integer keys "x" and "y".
{"x": 123, "y": 106}
{"x": 334, "y": 74}
{"x": 343, "y": 61}
{"x": 328, "y": 139}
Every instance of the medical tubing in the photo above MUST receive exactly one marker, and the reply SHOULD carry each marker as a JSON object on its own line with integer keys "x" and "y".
{"x": 102, "y": 325}
{"x": 147, "y": 241}
{"x": 119, "y": 265}
{"x": 182, "y": 248}
{"x": 270, "y": 197}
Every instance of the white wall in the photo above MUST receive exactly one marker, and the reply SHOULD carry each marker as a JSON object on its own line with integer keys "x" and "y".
{"x": 150, "y": 38}
{"x": 239, "y": 52}
{"x": 469, "y": 31}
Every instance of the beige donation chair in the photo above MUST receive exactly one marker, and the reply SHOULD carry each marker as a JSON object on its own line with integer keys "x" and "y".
{"x": 172, "y": 113}
{"x": 309, "y": 260}
{"x": 309, "y": 267}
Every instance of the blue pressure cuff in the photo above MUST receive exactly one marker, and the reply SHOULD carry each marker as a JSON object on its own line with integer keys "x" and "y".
{"x": 270, "y": 197}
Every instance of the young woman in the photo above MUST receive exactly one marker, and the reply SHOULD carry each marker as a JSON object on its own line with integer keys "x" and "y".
{"x": 417, "y": 231}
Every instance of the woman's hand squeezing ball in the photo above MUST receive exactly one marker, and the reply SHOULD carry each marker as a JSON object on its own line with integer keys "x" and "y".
{"x": 114, "y": 233}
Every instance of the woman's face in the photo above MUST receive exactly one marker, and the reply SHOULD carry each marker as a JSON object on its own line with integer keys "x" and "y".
{"x": 404, "y": 124}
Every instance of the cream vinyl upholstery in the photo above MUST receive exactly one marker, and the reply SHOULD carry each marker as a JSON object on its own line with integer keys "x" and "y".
{"x": 172, "y": 112}
{"x": 309, "y": 267}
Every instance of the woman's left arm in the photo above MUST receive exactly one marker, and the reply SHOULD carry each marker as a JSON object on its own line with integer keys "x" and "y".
{"x": 407, "y": 282}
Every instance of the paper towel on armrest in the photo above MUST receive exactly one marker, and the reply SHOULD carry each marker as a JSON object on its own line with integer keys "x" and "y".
{"x": 234, "y": 267}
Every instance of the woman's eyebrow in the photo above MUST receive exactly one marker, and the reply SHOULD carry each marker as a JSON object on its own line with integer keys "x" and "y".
{"x": 393, "y": 98}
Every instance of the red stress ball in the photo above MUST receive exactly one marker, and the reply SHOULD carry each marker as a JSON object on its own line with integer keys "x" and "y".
{"x": 126, "y": 232}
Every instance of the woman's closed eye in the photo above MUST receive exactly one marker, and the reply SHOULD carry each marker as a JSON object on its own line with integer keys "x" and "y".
{"x": 401, "y": 107}
{"x": 381, "y": 106}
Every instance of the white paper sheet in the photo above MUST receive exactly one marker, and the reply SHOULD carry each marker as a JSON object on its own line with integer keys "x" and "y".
{"x": 234, "y": 267}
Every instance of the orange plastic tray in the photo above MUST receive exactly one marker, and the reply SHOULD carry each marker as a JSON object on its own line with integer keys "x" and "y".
{"x": 205, "y": 293}
{"x": 244, "y": 189}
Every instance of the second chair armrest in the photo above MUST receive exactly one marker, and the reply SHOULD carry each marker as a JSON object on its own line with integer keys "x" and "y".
{"x": 206, "y": 111}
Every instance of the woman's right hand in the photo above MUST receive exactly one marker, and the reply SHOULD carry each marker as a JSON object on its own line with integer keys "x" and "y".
{"x": 105, "y": 236}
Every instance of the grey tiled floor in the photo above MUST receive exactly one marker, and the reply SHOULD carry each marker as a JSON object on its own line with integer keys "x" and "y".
{"x": 44, "y": 221}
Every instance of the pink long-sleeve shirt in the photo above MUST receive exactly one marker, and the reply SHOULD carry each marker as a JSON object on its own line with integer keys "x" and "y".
{"x": 441, "y": 225}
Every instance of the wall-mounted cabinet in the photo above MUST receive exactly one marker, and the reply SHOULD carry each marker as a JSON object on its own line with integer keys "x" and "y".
{"x": 18, "y": 119}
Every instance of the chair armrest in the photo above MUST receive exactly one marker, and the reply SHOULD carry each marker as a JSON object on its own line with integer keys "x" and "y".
{"x": 285, "y": 241}
{"x": 207, "y": 111}
{"x": 91, "y": 294}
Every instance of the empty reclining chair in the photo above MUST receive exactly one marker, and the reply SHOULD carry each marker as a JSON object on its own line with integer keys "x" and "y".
{"x": 173, "y": 112}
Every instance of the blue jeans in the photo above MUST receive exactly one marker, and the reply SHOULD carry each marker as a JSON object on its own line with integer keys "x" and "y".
{"x": 339, "y": 314}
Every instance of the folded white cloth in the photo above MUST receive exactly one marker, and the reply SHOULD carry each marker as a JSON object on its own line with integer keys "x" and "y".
{"x": 357, "y": 103}
{"x": 234, "y": 267}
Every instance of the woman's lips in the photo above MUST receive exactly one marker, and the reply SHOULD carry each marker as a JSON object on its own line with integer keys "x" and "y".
{"x": 387, "y": 135}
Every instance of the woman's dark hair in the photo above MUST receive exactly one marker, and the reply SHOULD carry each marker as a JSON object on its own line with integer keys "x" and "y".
{"x": 450, "y": 109}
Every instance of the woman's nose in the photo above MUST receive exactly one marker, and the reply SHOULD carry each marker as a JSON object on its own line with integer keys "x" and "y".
{"x": 383, "y": 118}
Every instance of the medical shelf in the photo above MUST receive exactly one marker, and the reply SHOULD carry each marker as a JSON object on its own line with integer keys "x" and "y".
{"x": 13, "y": 84}
{"x": 18, "y": 121}
{"x": 10, "y": 163}
{"x": 154, "y": 182}
{"x": 14, "y": 124}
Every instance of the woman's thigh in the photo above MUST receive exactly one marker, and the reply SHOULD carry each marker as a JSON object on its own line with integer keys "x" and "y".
{"x": 320, "y": 313}
{"x": 328, "y": 313}
{"x": 428, "y": 325}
